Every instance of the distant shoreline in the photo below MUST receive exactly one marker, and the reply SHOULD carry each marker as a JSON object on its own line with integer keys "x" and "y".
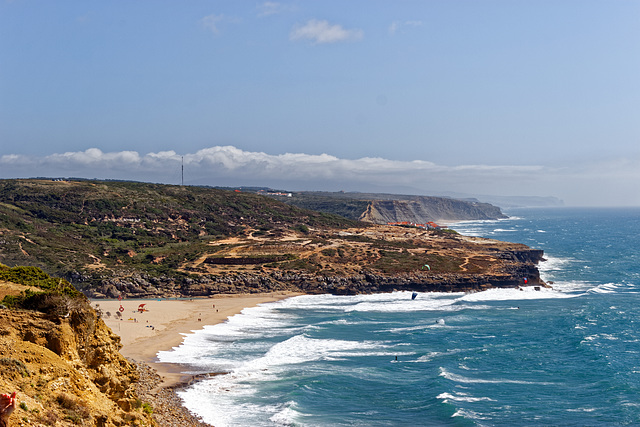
{"x": 165, "y": 322}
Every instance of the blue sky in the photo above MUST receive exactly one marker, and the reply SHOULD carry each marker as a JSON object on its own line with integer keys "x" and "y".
{"x": 480, "y": 97}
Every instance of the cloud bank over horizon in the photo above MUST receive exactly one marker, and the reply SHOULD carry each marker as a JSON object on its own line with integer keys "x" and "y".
{"x": 587, "y": 185}
{"x": 435, "y": 98}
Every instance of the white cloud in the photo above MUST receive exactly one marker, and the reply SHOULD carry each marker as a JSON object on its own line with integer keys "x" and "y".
{"x": 322, "y": 32}
{"x": 269, "y": 8}
{"x": 605, "y": 183}
{"x": 211, "y": 22}
{"x": 15, "y": 159}
{"x": 393, "y": 27}
{"x": 94, "y": 156}
{"x": 398, "y": 25}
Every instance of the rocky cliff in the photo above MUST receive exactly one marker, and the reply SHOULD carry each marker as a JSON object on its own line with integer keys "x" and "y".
{"x": 66, "y": 367}
{"x": 381, "y": 208}
{"x": 423, "y": 209}
{"x": 147, "y": 240}
{"x": 354, "y": 261}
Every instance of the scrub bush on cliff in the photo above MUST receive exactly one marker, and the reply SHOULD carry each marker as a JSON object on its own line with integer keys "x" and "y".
{"x": 58, "y": 297}
{"x": 33, "y": 276}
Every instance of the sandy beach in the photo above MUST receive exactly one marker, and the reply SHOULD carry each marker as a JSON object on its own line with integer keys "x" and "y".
{"x": 161, "y": 324}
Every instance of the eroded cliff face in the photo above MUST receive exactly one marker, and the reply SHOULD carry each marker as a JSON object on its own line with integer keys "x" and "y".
{"x": 423, "y": 209}
{"x": 67, "y": 370}
{"x": 354, "y": 261}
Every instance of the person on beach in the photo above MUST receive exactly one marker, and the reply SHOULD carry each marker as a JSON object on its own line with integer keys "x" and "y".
{"x": 8, "y": 404}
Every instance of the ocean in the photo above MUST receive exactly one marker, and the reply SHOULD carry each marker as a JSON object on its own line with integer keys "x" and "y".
{"x": 566, "y": 356}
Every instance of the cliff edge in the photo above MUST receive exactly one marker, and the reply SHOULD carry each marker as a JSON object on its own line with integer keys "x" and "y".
{"x": 64, "y": 363}
{"x": 149, "y": 240}
{"x": 423, "y": 209}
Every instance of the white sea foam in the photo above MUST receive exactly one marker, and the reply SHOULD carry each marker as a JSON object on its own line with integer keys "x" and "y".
{"x": 595, "y": 337}
{"x": 199, "y": 348}
{"x": 258, "y": 322}
{"x": 466, "y": 413}
{"x": 553, "y": 263}
{"x": 300, "y": 349}
{"x": 401, "y": 302}
{"x": 436, "y": 354}
{"x": 570, "y": 287}
{"x": 466, "y": 380}
{"x": 405, "y": 306}
{"x": 480, "y": 227}
{"x": 575, "y": 287}
{"x": 193, "y": 348}
{"x": 395, "y": 301}
{"x": 512, "y": 294}
{"x": 462, "y": 397}
{"x": 585, "y": 288}
{"x": 228, "y": 412}
{"x": 197, "y": 399}
{"x": 286, "y": 416}
{"x": 240, "y": 382}
{"x": 404, "y": 330}
{"x": 606, "y": 288}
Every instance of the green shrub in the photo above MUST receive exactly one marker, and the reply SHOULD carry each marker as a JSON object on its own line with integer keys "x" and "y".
{"x": 329, "y": 252}
{"x": 301, "y": 228}
{"x": 58, "y": 295}
{"x": 33, "y": 276}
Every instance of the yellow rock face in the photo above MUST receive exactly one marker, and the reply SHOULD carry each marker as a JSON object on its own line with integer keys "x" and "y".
{"x": 66, "y": 369}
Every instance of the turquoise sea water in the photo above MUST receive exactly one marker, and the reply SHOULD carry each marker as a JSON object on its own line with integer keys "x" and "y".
{"x": 564, "y": 357}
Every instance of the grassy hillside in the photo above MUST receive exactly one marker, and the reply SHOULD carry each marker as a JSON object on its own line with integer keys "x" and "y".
{"x": 71, "y": 226}
{"x": 336, "y": 203}
{"x": 148, "y": 240}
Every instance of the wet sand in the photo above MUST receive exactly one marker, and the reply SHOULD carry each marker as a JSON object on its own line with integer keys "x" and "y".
{"x": 164, "y": 322}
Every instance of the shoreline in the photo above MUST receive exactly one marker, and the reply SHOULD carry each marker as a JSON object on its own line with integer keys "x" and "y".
{"x": 163, "y": 323}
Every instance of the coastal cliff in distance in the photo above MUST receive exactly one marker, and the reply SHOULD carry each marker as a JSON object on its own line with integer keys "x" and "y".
{"x": 382, "y": 208}
{"x": 149, "y": 240}
{"x": 420, "y": 210}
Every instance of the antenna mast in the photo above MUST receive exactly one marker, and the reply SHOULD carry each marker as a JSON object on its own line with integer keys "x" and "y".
{"x": 182, "y": 171}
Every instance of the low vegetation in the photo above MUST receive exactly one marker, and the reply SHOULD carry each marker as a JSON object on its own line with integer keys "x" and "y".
{"x": 79, "y": 227}
{"x": 108, "y": 238}
{"x": 60, "y": 358}
{"x": 44, "y": 293}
